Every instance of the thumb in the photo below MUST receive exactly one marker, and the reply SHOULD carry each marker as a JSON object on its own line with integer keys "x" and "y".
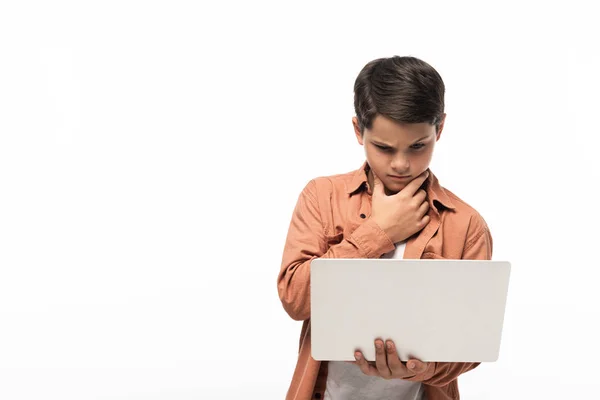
{"x": 377, "y": 185}
{"x": 416, "y": 366}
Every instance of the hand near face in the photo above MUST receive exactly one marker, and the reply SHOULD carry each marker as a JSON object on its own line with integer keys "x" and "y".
{"x": 403, "y": 214}
{"x": 387, "y": 363}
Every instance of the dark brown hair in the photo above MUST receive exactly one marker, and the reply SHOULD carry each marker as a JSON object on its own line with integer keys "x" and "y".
{"x": 404, "y": 89}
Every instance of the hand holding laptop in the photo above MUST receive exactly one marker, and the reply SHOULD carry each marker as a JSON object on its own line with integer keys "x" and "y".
{"x": 387, "y": 363}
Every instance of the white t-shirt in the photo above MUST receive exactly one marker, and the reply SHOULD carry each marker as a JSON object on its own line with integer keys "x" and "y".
{"x": 346, "y": 381}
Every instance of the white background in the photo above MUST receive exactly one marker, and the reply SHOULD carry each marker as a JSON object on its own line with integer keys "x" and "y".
{"x": 151, "y": 154}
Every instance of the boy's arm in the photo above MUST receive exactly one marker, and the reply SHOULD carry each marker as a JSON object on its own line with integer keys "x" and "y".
{"x": 307, "y": 240}
{"x": 478, "y": 246}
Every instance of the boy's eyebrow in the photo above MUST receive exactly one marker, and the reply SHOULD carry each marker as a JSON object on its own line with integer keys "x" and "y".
{"x": 384, "y": 144}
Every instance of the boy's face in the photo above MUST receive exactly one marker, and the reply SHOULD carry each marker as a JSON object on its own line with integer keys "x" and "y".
{"x": 397, "y": 153}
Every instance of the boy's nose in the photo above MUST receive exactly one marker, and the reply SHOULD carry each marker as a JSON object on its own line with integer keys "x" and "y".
{"x": 400, "y": 165}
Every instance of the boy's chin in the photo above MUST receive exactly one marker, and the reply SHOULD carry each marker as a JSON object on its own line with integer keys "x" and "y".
{"x": 393, "y": 188}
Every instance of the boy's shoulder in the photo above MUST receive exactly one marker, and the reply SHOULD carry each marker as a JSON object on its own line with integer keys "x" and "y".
{"x": 345, "y": 182}
{"x": 336, "y": 181}
{"x": 458, "y": 202}
{"x": 463, "y": 209}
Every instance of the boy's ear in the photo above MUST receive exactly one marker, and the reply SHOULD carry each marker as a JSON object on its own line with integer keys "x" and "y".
{"x": 357, "y": 131}
{"x": 439, "y": 132}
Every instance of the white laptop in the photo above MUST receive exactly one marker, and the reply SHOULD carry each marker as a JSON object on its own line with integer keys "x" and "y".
{"x": 433, "y": 310}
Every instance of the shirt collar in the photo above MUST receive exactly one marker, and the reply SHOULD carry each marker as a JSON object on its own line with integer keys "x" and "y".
{"x": 435, "y": 192}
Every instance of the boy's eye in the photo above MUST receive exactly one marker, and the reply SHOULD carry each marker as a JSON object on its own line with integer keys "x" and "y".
{"x": 383, "y": 148}
{"x": 417, "y": 146}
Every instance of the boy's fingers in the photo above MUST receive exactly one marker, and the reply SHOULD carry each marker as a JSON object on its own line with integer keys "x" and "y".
{"x": 364, "y": 365}
{"x": 423, "y": 208}
{"x": 396, "y": 366}
{"x": 414, "y": 185}
{"x": 381, "y": 360}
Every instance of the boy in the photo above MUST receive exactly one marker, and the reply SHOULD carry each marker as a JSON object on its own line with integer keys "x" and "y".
{"x": 393, "y": 206}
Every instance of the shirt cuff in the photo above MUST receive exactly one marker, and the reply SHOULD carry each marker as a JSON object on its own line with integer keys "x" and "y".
{"x": 371, "y": 240}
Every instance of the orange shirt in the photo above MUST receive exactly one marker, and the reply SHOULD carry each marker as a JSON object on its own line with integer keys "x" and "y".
{"x": 331, "y": 219}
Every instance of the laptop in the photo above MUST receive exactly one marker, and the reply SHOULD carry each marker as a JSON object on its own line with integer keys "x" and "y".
{"x": 433, "y": 310}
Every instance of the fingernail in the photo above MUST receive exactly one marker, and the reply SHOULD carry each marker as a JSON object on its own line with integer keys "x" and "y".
{"x": 378, "y": 345}
{"x": 389, "y": 345}
{"x": 411, "y": 365}
{"x": 357, "y": 356}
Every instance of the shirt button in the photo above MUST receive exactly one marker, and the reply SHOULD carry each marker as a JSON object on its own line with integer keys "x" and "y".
{"x": 363, "y": 216}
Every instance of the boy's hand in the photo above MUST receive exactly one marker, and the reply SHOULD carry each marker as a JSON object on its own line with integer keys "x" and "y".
{"x": 387, "y": 363}
{"x": 403, "y": 214}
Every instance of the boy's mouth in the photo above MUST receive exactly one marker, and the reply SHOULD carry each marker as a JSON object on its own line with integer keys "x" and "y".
{"x": 399, "y": 177}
